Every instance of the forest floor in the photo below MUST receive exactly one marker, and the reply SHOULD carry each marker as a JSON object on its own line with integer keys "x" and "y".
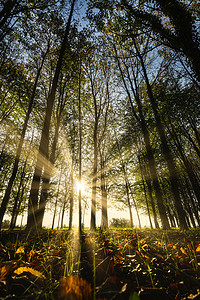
{"x": 116, "y": 264}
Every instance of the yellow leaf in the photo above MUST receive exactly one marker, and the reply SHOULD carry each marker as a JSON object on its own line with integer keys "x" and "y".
{"x": 21, "y": 270}
{"x": 183, "y": 251}
{"x": 20, "y": 250}
{"x": 198, "y": 248}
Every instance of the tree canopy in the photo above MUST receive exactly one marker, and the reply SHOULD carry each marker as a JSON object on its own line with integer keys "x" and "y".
{"x": 105, "y": 95}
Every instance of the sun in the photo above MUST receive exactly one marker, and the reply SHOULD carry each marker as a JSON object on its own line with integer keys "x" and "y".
{"x": 80, "y": 186}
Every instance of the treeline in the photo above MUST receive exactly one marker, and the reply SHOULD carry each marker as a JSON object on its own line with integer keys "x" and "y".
{"x": 114, "y": 106}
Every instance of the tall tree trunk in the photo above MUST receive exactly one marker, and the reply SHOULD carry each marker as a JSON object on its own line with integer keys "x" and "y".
{"x": 194, "y": 127}
{"x": 2, "y": 157}
{"x": 186, "y": 162}
{"x": 44, "y": 142}
{"x": 104, "y": 201}
{"x": 80, "y": 147}
{"x": 56, "y": 202}
{"x": 71, "y": 198}
{"x": 63, "y": 213}
{"x": 128, "y": 187}
{"x": 65, "y": 201}
{"x": 94, "y": 181}
{"x": 188, "y": 135}
{"x": 129, "y": 204}
{"x": 95, "y": 153}
{"x": 173, "y": 176}
{"x": 149, "y": 152}
{"x": 59, "y": 217}
{"x": 48, "y": 171}
{"x": 145, "y": 194}
{"x": 15, "y": 206}
{"x": 104, "y": 204}
{"x": 19, "y": 147}
{"x": 193, "y": 204}
{"x": 171, "y": 217}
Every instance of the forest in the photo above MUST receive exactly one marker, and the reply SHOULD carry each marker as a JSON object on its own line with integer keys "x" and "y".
{"x": 99, "y": 118}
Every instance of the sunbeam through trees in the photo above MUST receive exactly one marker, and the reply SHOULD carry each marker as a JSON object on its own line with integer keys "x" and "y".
{"x": 100, "y": 118}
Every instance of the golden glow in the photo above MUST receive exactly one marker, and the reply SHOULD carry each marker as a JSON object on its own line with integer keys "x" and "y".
{"x": 80, "y": 186}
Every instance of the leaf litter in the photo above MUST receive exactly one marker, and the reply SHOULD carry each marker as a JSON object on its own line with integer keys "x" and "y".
{"x": 106, "y": 264}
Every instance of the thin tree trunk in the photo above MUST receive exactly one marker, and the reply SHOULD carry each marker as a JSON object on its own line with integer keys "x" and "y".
{"x": 71, "y": 198}
{"x": 187, "y": 164}
{"x": 65, "y": 201}
{"x": 171, "y": 218}
{"x": 59, "y": 217}
{"x": 95, "y": 153}
{"x": 14, "y": 211}
{"x": 126, "y": 182}
{"x": 104, "y": 204}
{"x": 194, "y": 127}
{"x": 94, "y": 182}
{"x": 63, "y": 213}
{"x": 194, "y": 206}
{"x": 2, "y": 158}
{"x": 173, "y": 176}
{"x": 188, "y": 135}
{"x": 149, "y": 152}
{"x": 145, "y": 194}
{"x": 129, "y": 204}
{"x": 47, "y": 175}
{"x": 56, "y": 202}
{"x": 80, "y": 147}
